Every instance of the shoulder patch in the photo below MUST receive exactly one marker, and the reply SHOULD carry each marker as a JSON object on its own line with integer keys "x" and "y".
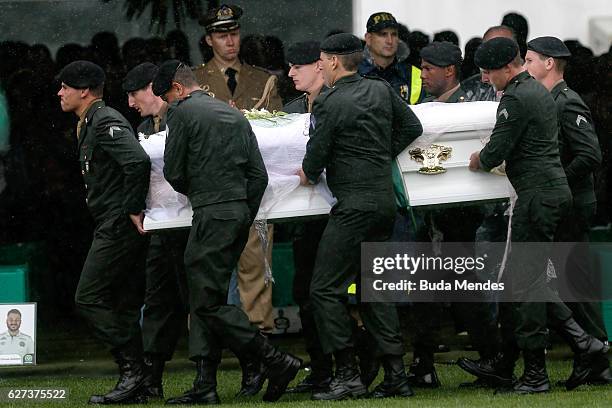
{"x": 581, "y": 118}
{"x": 504, "y": 113}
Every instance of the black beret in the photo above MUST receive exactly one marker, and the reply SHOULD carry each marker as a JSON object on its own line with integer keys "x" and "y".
{"x": 341, "y": 44}
{"x": 550, "y": 47}
{"x": 303, "y": 53}
{"x": 222, "y": 18}
{"x": 496, "y": 53}
{"x": 82, "y": 75}
{"x": 163, "y": 80}
{"x": 380, "y": 21}
{"x": 441, "y": 54}
{"x": 139, "y": 77}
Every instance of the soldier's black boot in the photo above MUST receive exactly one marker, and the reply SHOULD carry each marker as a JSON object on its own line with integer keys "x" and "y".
{"x": 600, "y": 374}
{"x": 369, "y": 362}
{"x": 535, "y": 378}
{"x": 422, "y": 373}
{"x": 253, "y": 375}
{"x": 396, "y": 382}
{"x": 204, "y": 390}
{"x": 320, "y": 376}
{"x": 347, "y": 381}
{"x": 587, "y": 349}
{"x": 154, "y": 370}
{"x": 497, "y": 371}
{"x": 129, "y": 387}
{"x": 280, "y": 368}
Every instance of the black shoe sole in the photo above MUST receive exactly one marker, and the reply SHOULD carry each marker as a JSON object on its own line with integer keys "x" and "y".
{"x": 490, "y": 377}
{"x": 279, "y": 385}
{"x": 185, "y": 400}
{"x": 139, "y": 399}
{"x": 352, "y": 394}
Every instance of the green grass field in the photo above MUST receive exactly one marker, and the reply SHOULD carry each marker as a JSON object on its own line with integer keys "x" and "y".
{"x": 95, "y": 373}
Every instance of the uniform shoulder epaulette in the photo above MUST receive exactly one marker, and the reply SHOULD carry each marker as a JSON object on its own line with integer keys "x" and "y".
{"x": 197, "y": 67}
{"x": 179, "y": 101}
{"x": 371, "y": 76}
{"x": 297, "y": 98}
{"x": 256, "y": 68}
{"x": 377, "y": 78}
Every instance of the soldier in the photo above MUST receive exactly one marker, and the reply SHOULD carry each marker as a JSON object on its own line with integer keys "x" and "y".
{"x": 212, "y": 157}
{"x": 357, "y": 159}
{"x": 13, "y": 341}
{"x": 477, "y": 87}
{"x": 307, "y": 75}
{"x": 225, "y": 76}
{"x": 116, "y": 171}
{"x": 243, "y": 86}
{"x": 164, "y": 317}
{"x": 440, "y": 71}
{"x": 525, "y": 136}
{"x": 440, "y": 68}
{"x": 382, "y": 60}
{"x": 486, "y": 317}
{"x": 546, "y": 60}
{"x": 381, "y": 45}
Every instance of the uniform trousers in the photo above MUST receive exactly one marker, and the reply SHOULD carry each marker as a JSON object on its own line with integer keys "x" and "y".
{"x": 110, "y": 291}
{"x": 166, "y": 296}
{"x": 351, "y": 222}
{"x": 218, "y": 235}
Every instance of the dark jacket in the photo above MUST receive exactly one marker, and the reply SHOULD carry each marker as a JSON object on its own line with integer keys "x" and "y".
{"x": 211, "y": 153}
{"x": 360, "y": 125}
{"x": 476, "y": 90}
{"x": 147, "y": 126}
{"x": 404, "y": 78}
{"x": 300, "y": 104}
{"x": 115, "y": 167}
{"x": 578, "y": 143}
{"x": 525, "y": 136}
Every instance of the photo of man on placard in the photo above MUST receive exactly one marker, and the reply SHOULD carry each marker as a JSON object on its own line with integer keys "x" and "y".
{"x": 17, "y": 347}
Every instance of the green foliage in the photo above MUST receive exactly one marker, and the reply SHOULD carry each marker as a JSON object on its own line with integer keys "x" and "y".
{"x": 180, "y": 10}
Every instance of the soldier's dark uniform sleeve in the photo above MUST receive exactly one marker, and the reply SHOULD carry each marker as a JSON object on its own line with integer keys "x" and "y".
{"x": 508, "y": 127}
{"x": 120, "y": 143}
{"x": 580, "y": 140}
{"x": 256, "y": 175}
{"x": 406, "y": 125}
{"x": 175, "y": 152}
{"x": 319, "y": 146}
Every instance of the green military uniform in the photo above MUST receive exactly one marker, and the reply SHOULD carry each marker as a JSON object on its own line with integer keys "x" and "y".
{"x": 297, "y": 105}
{"x": 164, "y": 317}
{"x": 253, "y": 85}
{"x": 224, "y": 178}
{"x": 116, "y": 171}
{"x": 358, "y": 164}
{"x": 255, "y": 88}
{"x": 580, "y": 156}
{"x": 305, "y": 244}
{"x": 525, "y": 136}
{"x": 459, "y": 95}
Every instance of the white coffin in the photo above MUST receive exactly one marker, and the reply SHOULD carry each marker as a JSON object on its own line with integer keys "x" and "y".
{"x": 465, "y": 127}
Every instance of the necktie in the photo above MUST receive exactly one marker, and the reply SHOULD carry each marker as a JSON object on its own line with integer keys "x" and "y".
{"x": 156, "y": 123}
{"x": 231, "y": 79}
{"x": 79, "y": 126}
